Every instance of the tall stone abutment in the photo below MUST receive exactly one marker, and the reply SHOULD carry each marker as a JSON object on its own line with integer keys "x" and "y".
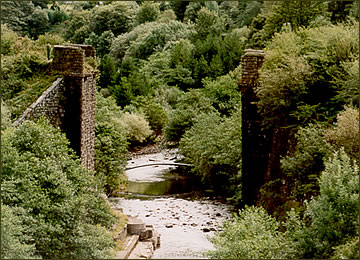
{"x": 256, "y": 142}
{"x": 70, "y": 102}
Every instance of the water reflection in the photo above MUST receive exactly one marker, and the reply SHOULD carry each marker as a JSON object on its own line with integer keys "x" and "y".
{"x": 171, "y": 184}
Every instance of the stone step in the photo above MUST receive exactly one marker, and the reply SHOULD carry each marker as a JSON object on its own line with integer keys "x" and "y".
{"x": 129, "y": 244}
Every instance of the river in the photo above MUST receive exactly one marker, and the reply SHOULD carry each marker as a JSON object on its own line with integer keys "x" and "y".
{"x": 161, "y": 197}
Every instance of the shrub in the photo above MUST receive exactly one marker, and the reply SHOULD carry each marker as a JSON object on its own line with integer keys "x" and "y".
{"x": 189, "y": 105}
{"x": 350, "y": 250}
{"x": 253, "y": 234}
{"x": 5, "y": 116}
{"x": 223, "y": 93}
{"x": 147, "y": 12}
{"x": 12, "y": 235}
{"x": 334, "y": 213}
{"x": 303, "y": 166}
{"x": 110, "y": 145}
{"x": 154, "y": 113}
{"x": 62, "y": 208}
{"x": 8, "y": 40}
{"x": 136, "y": 127}
{"x": 346, "y": 132}
{"x": 213, "y": 146}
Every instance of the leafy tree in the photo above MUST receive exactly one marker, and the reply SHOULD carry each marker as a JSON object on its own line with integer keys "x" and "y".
{"x": 110, "y": 146}
{"x": 101, "y": 42}
{"x": 117, "y": 17}
{"x": 128, "y": 88}
{"x": 147, "y": 12}
{"x": 337, "y": 207}
{"x": 107, "y": 72}
{"x": 208, "y": 22}
{"x": 282, "y": 87}
{"x": 43, "y": 4}
{"x": 63, "y": 214}
{"x": 77, "y": 30}
{"x": 193, "y": 8}
{"x": 38, "y": 23}
{"x": 274, "y": 15}
{"x": 223, "y": 93}
{"x": 346, "y": 132}
{"x": 121, "y": 43}
{"x": 213, "y": 146}
{"x": 16, "y": 14}
{"x": 189, "y": 105}
{"x": 157, "y": 37}
{"x": 12, "y": 235}
{"x": 240, "y": 14}
{"x": 179, "y": 8}
{"x": 57, "y": 16}
{"x": 303, "y": 166}
{"x": 157, "y": 67}
{"x": 299, "y": 80}
{"x": 252, "y": 234}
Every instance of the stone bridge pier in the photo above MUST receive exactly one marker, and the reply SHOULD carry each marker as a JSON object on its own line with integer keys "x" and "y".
{"x": 71, "y": 101}
{"x": 256, "y": 142}
{"x": 78, "y": 100}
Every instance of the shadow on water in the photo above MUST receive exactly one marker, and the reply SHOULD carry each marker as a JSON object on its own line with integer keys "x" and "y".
{"x": 172, "y": 183}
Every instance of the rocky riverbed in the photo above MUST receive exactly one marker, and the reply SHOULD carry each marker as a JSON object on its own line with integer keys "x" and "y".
{"x": 183, "y": 223}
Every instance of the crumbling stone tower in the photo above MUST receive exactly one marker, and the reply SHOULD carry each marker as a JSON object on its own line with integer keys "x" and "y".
{"x": 70, "y": 102}
{"x": 78, "y": 101}
{"x": 256, "y": 142}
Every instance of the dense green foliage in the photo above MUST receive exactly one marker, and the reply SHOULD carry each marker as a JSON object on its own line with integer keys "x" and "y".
{"x": 171, "y": 69}
{"x": 110, "y": 146}
{"x": 337, "y": 207}
{"x": 13, "y": 238}
{"x": 24, "y": 64}
{"x": 299, "y": 80}
{"x": 346, "y": 132}
{"x": 52, "y": 196}
{"x": 213, "y": 146}
{"x": 332, "y": 216}
{"x": 252, "y": 234}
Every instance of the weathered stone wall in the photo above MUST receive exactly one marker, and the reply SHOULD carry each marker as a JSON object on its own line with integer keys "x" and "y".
{"x": 70, "y": 102}
{"x": 256, "y": 143}
{"x": 48, "y": 104}
{"x": 68, "y": 60}
{"x": 88, "y": 105}
{"x": 79, "y": 99}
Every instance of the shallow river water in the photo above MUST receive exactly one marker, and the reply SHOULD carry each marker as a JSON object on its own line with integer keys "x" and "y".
{"x": 184, "y": 224}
